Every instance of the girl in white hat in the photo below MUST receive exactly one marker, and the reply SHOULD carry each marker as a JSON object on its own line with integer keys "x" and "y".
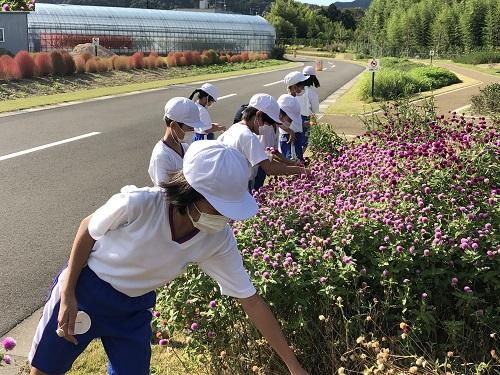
{"x": 138, "y": 241}
{"x": 206, "y": 95}
{"x": 181, "y": 117}
{"x": 309, "y": 102}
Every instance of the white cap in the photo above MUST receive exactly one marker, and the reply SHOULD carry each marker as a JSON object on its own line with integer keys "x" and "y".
{"x": 184, "y": 111}
{"x": 291, "y": 106}
{"x": 309, "y": 70}
{"x": 208, "y": 167}
{"x": 267, "y": 104}
{"x": 210, "y": 90}
{"x": 293, "y": 78}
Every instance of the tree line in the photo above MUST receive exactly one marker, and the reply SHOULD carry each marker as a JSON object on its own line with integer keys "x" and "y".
{"x": 409, "y": 27}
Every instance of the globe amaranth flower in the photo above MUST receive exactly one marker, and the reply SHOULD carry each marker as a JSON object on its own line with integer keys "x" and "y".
{"x": 9, "y": 343}
{"x": 194, "y": 326}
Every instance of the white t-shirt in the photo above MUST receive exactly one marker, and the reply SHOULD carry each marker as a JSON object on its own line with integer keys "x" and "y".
{"x": 296, "y": 127}
{"x": 241, "y": 138}
{"x": 164, "y": 160}
{"x": 309, "y": 102}
{"x": 135, "y": 252}
{"x": 204, "y": 118}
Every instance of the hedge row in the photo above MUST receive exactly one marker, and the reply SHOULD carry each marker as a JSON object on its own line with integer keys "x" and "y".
{"x": 61, "y": 63}
{"x": 482, "y": 57}
{"x": 401, "y": 78}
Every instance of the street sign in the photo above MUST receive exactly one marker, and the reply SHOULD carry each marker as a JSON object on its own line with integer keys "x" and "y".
{"x": 95, "y": 41}
{"x": 373, "y": 65}
{"x": 431, "y": 52}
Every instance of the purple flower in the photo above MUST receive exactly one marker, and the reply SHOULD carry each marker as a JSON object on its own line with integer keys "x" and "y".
{"x": 385, "y": 273}
{"x": 265, "y": 275}
{"x": 156, "y": 314}
{"x": 212, "y": 304}
{"x": 194, "y": 326}
{"x": 346, "y": 259}
{"x": 454, "y": 281}
{"x": 6, "y": 7}
{"x": 467, "y": 290}
{"x": 426, "y": 252}
{"x": 323, "y": 280}
{"x": 211, "y": 334}
{"x": 9, "y": 343}
{"x": 7, "y": 359}
{"x": 424, "y": 295}
{"x": 163, "y": 342}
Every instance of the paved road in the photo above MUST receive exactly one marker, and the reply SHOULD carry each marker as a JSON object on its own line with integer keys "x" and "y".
{"x": 45, "y": 194}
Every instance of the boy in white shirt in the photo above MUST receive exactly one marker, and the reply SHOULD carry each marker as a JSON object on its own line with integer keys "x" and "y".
{"x": 168, "y": 153}
{"x": 263, "y": 110}
{"x": 295, "y": 83}
{"x": 139, "y": 241}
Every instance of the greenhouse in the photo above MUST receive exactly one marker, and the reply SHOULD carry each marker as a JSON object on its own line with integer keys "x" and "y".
{"x": 127, "y": 30}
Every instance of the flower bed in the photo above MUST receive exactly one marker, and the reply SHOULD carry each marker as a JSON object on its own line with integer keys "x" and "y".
{"x": 17, "y": 5}
{"x": 61, "y": 63}
{"x": 386, "y": 257}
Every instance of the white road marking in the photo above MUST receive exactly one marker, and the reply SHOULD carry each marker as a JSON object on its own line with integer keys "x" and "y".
{"x": 19, "y": 153}
{"x": 226, "y": 96}
{"x": 274, "y": 83}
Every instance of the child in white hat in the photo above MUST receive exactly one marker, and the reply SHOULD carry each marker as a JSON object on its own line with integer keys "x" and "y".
{"x": 309, "y": 102}
{"x": 139, "y": 241}
{"x": 206, "y": 95}
{"x": 181, "y": 117}
{"x": 291, "y": 146}
{"x": 262, "y": 111}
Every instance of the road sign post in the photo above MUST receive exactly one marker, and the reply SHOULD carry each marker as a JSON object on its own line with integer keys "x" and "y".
{"x": 373, "y": 66}
{"x": 95, "y": 43}
{"x": 431, "y": 54}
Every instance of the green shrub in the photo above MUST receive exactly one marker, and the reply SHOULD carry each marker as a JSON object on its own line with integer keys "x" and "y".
{"x": 488, "y": 100}
{"x": 431, "y": 78}
{"x": 481, "y": 57}
{"x": 398, "y": 79}
{"x": 389, "y": 85}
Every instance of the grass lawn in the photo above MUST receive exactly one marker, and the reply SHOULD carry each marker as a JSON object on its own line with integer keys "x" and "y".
{"x": 22, "y": 94}
{"x": 164, "y": 361}
{"x": 493, "y": 69}
{"x": 350, "y": 103}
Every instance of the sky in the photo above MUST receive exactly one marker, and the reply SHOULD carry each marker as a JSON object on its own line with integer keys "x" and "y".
{"x": 321, "y": 2}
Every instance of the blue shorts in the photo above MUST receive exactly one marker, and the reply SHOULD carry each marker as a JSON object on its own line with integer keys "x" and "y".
{"x": 122, "y": 323}
{"x": 286, "y": 148}
{"x": 200, "y": 137}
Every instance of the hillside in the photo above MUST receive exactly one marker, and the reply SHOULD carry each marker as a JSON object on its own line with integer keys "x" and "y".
{"x": 364, "y": 4}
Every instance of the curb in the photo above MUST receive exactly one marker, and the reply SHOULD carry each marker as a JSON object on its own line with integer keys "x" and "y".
{"x": 325, "y": 104}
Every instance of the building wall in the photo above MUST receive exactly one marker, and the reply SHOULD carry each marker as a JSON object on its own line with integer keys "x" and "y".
{"x": 15, "y": 31}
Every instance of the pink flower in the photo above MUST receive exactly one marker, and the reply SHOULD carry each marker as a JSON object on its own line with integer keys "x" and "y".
{"x": 323, "y": 280}
{"x": 6, "y": 7}
{"x": 194, "y": 326}
{"x": 7, "y": 359}
{"x": 9, "y": 343}
{"x": 163, "y": 342}
{"x": 426, "y": 253}
{"x": 212, "y": 304}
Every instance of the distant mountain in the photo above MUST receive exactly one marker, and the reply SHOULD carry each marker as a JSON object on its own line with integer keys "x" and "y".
{"x": 364, "y": 4}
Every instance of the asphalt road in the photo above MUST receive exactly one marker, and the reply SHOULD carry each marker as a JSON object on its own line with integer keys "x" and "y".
{"x": 44, "y": 194}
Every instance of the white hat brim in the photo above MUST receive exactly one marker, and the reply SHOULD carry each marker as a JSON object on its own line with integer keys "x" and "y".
{"x": 240, "y": 210}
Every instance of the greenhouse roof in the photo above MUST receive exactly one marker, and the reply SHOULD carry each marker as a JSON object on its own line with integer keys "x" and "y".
{"x": 93, "y": 17}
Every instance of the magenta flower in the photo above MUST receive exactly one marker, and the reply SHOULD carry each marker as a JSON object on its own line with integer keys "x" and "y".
{"x": 467, "y": 290}
{"x": 426, "y": 252}
{"x": 424, "y": 296}
{"x": 265, "y": 275}
{"x": 212, "y": 304}
{"x": 6, "y": 7}
{"x": 9, "y": 343}
{"x": 163, "y": 342}
{"x": 211, "y": 334}
{"x": 194, "y": 326}
{"x": 7, "y": 359}
{"x": 323, "y": 280}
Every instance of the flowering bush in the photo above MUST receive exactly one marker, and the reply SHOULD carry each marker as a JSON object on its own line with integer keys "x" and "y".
{"x": 389, "y": 248}
{"x": 17, "y": 5}
{"x": 8, "y": 343}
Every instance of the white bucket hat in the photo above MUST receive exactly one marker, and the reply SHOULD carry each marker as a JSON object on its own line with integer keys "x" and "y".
{"x": 291, "y": 106}
{"x": 267, "y": 104}
{"x": 210, "y": 90}
{"x": 184, "y": 111}
{"x": 220, "y": 173}
{"x": 293, "y": 78}
{"x": 309, "y": 71}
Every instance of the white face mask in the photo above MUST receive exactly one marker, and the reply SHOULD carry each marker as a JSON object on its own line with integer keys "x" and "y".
{"x": 209, "y": 223}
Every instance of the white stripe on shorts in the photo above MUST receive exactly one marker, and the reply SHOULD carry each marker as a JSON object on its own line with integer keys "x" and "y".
{"x": 48, "y": 310}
